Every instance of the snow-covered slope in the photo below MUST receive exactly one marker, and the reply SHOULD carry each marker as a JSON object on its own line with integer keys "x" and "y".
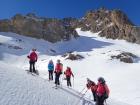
{"x": 18, "y": 88}
{"x": 122, "y": 78}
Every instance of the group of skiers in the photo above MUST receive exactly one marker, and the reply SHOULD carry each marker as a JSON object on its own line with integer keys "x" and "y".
{"x": 58, "y": 69}
{"x": 100, "y": 90}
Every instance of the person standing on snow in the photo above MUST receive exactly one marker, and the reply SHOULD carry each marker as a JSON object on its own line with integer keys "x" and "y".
{"x": 102, "y": 92}
{"x": 91, "y": 85}
{"x": 68, "y": 74}
{"x": 58, "y": 72}
{"x": 50, "y": 69}
{"x": 32, "y": 59}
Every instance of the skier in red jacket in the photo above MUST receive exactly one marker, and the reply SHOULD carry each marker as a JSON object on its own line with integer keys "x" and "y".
{"x": 58, "y": 71}
{"x": 68, "y": 74}
{"x": 32, "y": 59}
{"x": 102, "y": 91}
{"x": 91, "y": 85}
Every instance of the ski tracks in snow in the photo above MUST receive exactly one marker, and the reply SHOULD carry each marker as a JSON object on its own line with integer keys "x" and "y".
{"x": 19, "y": 88}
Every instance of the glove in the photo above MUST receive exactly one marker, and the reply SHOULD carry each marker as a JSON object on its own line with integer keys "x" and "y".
{"x": 61, "y": 72}
{"x": 28, "y": 56}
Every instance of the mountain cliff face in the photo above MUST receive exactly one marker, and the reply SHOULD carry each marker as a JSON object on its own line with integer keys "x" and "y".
{"x": 50, "y": 29}
{"x": 112, "y": 24}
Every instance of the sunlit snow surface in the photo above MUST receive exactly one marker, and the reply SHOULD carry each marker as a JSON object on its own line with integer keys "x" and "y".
{"x": 18, "y": 88}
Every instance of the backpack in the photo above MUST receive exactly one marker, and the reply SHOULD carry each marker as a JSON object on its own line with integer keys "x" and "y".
{"x": 106, "y": 92}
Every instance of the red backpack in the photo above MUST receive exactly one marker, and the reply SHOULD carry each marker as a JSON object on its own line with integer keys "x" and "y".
{"x": 58, "y": 68}
{"x": 68, "y": 72}
{"x": 102, "y": 89}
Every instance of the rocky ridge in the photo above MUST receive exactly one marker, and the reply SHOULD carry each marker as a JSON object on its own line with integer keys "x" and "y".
{"x": 112, "y": 24}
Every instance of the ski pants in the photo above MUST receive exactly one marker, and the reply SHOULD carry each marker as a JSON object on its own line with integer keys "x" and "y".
{"x": 100, "y": 100}
{"x": 57, "y": 75}
{"x": 32, "y": 66}
{"x": 68, "y": 80}
{"x": 94, "y": 95}
{"x": 50, "y": 74}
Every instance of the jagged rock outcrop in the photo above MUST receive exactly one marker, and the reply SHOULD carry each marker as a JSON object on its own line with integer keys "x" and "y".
{"x": 125, "y": 57}
{"x": 30, "y": 25}
{"x": 112, "y": 24}
{"x": 72, "y": 56}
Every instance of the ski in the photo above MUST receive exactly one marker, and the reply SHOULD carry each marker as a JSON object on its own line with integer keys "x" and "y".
{"x": 34, "y": 74}
{"x": 55, "y": 87}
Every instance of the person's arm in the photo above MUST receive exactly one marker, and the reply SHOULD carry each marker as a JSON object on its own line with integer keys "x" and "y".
{"x": 28, "y": 56}
{"x": 61, "y": 67}
{"x": 53, "y": 66}
{"x": 72, "y": 73}
{"x": 88, "y": 85}
{"x": 36, "y": 57}
{"x": 48, "y": 66}
{"x": 107, "y": 89}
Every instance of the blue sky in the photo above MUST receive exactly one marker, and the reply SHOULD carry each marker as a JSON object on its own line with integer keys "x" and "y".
{"x": 67, "y": 8}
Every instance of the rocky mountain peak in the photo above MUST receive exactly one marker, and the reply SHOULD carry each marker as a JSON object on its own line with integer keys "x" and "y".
{"x": 110, "y": 23}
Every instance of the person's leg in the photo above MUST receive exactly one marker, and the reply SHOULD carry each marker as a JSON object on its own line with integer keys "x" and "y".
{"x": 94, "y": 95}
{"x": 102, "y": 99}
{"x": 30, "y": 66}
{"x": 58, "y": 79}
{"x": 49, "y": 75}
{"x": 52, "y": 75}
{"x": 33, "y": 63}
{"x": 97, "y": 100}
{"x": 67, "y": 81}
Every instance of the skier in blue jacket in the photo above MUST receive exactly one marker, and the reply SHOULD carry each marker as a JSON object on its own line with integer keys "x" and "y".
{"x": 50, "y": 69}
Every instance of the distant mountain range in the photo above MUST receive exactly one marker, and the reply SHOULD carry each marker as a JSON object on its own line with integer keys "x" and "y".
{"x": 112, "y": 24}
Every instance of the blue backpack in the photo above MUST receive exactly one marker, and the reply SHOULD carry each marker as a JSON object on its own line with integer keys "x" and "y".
{"x": 50, "y": 67}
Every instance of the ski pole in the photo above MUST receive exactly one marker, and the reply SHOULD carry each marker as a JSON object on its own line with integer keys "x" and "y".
{"x": 61, "y": 79}
{"x": 82, "y": 90}
{"x": 105, "y": 102}
{"x": 23, "y": 62}
{"x": 73, "y": 82}
{"x": 81, "y": 97}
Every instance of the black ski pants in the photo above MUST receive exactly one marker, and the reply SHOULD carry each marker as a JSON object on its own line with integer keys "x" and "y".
{"x": 94, "y": 95}
{"x": 32, "y": 66}
{"x": 57, "y": 76}
{"x": 50, "y": 74}
{"x": 68, "y": 80}
{"x": 100, "y": 100}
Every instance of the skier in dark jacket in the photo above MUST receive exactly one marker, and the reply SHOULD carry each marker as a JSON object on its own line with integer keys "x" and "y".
{"x": 102, "y": 91}
{"x": 32, "y": 59}
{"x": 68, "y": 74}
{"x": 58, "y": 71}
{"x": 50, "y": 69}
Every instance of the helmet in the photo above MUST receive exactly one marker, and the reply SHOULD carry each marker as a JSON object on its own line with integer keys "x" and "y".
{"x": 58, "y": 61}
{"x": 50, "y": 61}
{"x": 88, "y": 79}
{"x": 101, "y": 79}
{"x": 68, "y": 67}
{"x": 33, "y": 49}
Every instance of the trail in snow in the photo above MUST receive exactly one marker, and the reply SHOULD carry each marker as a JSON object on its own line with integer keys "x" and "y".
{"x": 19, "y": 88}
